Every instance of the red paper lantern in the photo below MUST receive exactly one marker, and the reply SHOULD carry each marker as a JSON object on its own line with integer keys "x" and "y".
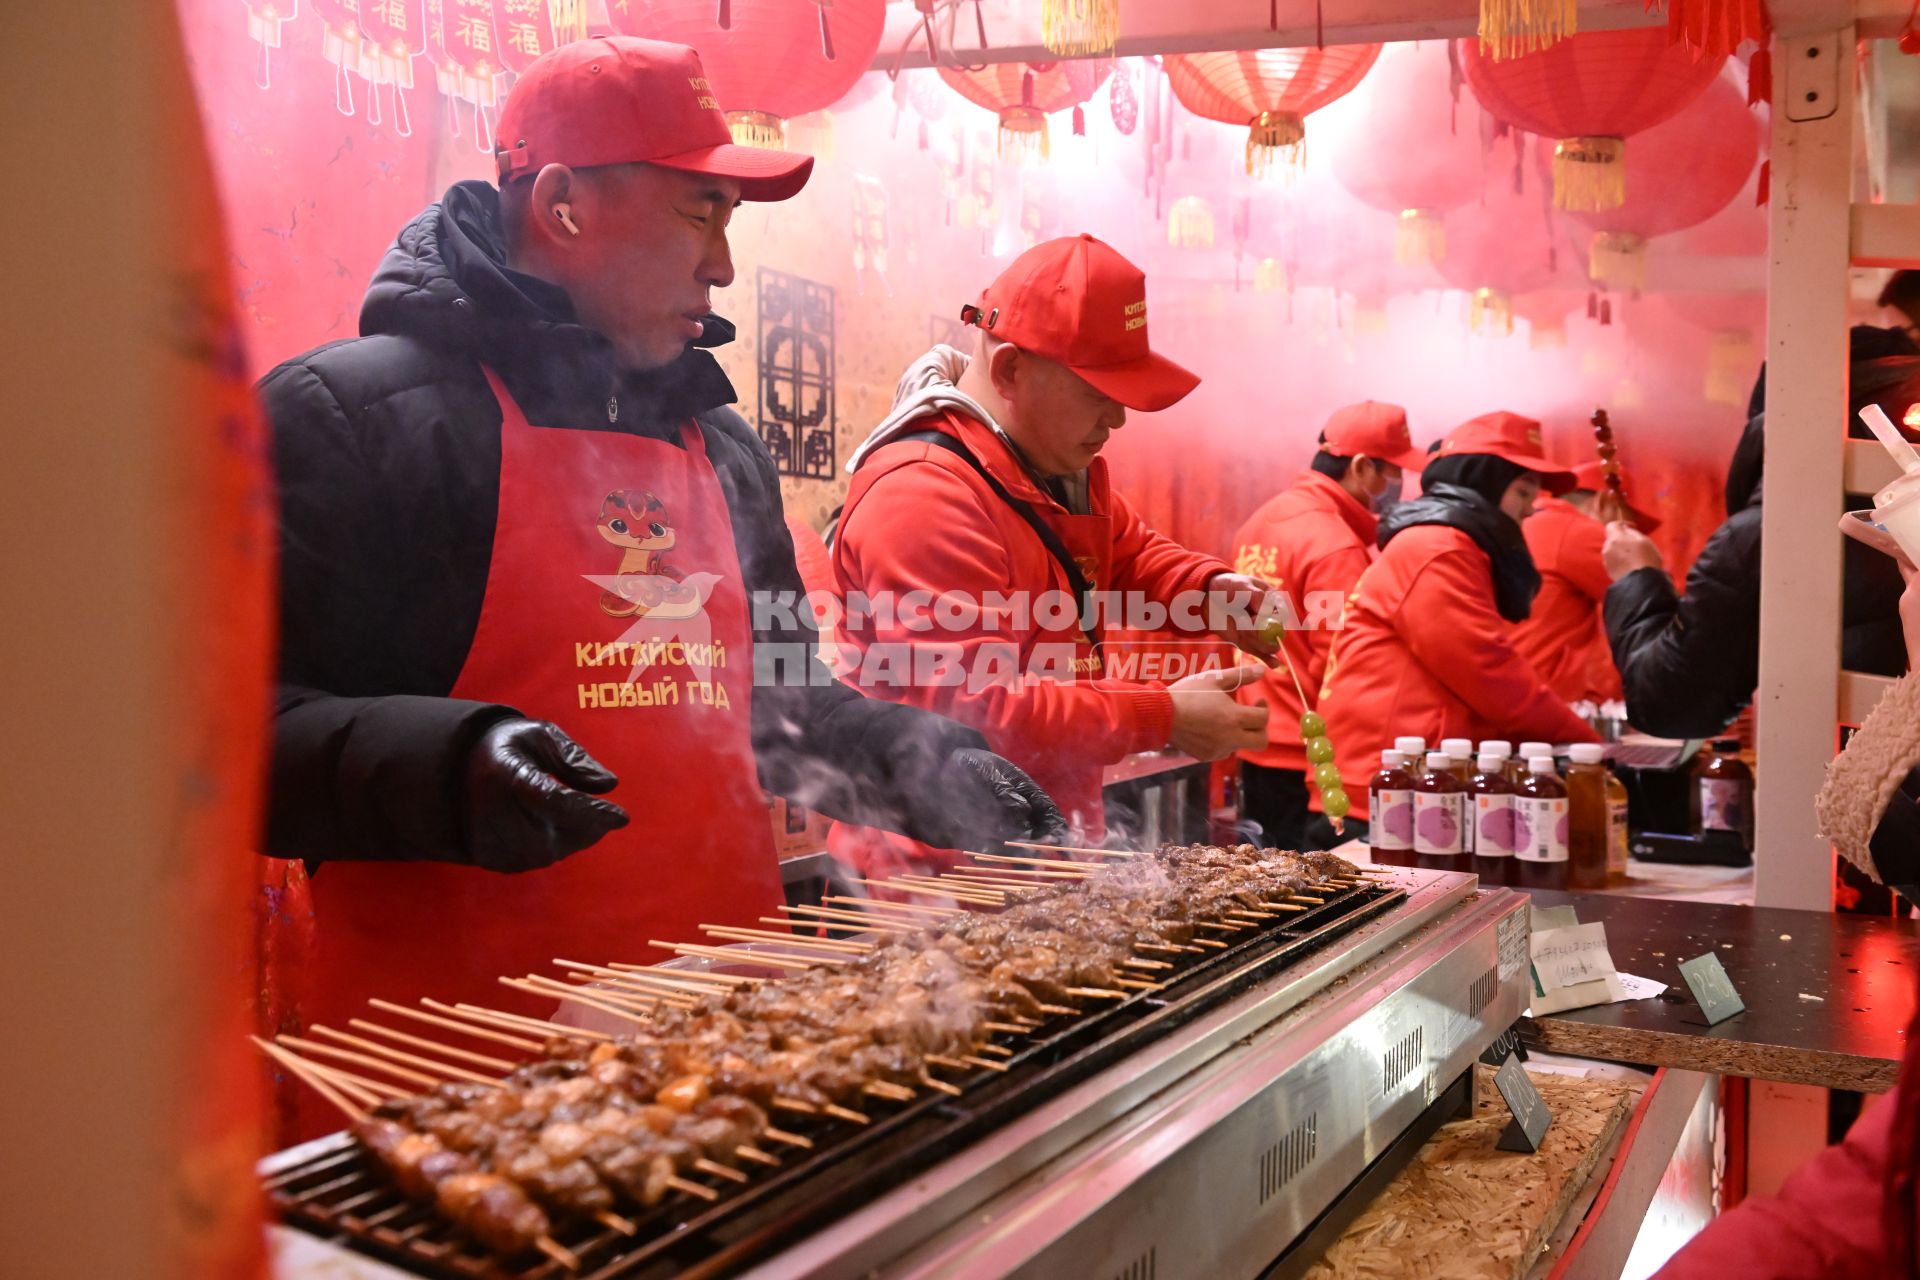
{"x": 1679, "y": 174}
{"x": 773, "y": 60}
{"x": 1497, "y": 251}
{"x": 1024, "y": 94}
{"x": 1546, "y": 312}
{"x": 1590, "y": 94}
{"x": 1271, "y": 91}
{"x": 1423, "y": 155}
{"x": 1737, "y": 325}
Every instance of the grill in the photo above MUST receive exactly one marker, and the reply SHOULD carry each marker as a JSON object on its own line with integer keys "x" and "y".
{"x": 334, "y": 1190}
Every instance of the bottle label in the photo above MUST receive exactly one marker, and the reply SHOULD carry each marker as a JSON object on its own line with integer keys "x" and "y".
{"x": 1540, "y": 828}
{"x": 1440, "y": 823}
{"x": 1493, "y": 826}
{"x": 1617, "y": 837}
{"x": 1391, "y": 827}
{"x": 1723, "y": 805}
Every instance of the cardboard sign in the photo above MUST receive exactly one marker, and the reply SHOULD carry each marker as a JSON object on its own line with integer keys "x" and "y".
{"x": 1572, "y": 969}
{"x": 1707, "y": 978}
{"x": 1531, "y": 1119}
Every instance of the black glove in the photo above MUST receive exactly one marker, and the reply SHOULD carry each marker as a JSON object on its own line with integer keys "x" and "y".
{"x": 984, "y": 798}
{"x": 522, "y": 809}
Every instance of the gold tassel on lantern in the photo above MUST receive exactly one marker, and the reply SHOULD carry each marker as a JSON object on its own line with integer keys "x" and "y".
{"x": 1491, "y": 312}
{"x": 1023, "y": 135}
{"x": 1419, "y": 238}
{"x": 1275, "y": 137}
{"x": 1190, "y": 224}
{"x": 1269, "y": 276}
{"x": 1512, "y": 27}
{"x": 813, "y": 134}
{"x": 758, "y": 129}
{"x": 1080, "y": 28}
{"x": 1589, "y": 174}
{"x": 1730, "y": 366}
{"x": 1618, "y": 258}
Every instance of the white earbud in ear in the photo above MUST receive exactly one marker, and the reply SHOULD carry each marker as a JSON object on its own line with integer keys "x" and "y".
{"x": 564, "y": 212}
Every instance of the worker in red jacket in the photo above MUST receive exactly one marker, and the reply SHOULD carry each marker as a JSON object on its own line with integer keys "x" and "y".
{"x": 1312, "y": 542}
{"x": 985, "y": 488}
{"x": 1426, "y": 647}
{"x": 1564, "y": 637}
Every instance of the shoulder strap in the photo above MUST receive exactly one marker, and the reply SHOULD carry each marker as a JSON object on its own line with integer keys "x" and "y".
{"x": 1077, "y": 580}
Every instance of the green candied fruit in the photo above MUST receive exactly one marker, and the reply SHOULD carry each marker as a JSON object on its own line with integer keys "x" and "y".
{"x": 1271, "y": 630}
{"x": 1320, "y": 749}
{"x": 1326, "y": 777}
{"x": 1335, "y": 803}
{"x": 1312, "y": 726}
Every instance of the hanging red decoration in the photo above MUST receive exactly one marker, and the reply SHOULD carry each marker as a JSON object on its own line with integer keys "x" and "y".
{"x": 1024, "y": 94}
{"x": 1123, "y": 99}
{"x": 1497, "y": 251}
{"x": 1590, "y": 94}
{"x": 1679, "y": 174}
{"x": 1271, "y": 91}
{"x": 342, "y": 44}
{"x": 265, "y": 21}
{"x": 395, "y": 34}
{"x": 526, "y": 32}
{"x": 1716, "y": 28}
{"x": 1424, "y": 157}
{"x": 778, "y": 58}
{"x": 474, "y": 46}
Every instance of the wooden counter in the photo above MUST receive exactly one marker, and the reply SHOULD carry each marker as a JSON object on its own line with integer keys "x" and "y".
{"x": 1828, "y": 996}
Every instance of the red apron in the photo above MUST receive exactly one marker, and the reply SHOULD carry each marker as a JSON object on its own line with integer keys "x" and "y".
{"x": 605, "y": 547}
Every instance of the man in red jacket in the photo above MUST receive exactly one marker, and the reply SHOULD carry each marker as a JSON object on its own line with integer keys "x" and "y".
{"x": 984, "y": 492}
{"x": 1313, "y": 542}
{"x": 1425, "y": 647}
{"x": 1564, "y": 637}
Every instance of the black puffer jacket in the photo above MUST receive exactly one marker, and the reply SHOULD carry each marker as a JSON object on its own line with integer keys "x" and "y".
{"x": 387, "y": 451}
{"x": 1689, "y": 663}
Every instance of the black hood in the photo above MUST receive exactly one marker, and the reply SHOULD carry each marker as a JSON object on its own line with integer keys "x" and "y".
{"x": 1516, "y": 580}
{"x": 1890, "y": 381}
{"x": 445, "y": 281}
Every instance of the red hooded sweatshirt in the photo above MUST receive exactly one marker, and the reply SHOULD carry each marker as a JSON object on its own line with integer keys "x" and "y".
{"x": 1423, "y": 651}
{"x": 1564, "y": 637}
{"x": 920, "y": 519}
{"x": 1315, "y": 538}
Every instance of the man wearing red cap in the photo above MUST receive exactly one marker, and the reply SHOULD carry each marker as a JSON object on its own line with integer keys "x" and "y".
{"x": 986, "y": 484}
{"x": 1564, "y": 637}
{"x": 521, "y": 537}
{"x": 1313, "y": 542}
{"x": 1425, "y": 648}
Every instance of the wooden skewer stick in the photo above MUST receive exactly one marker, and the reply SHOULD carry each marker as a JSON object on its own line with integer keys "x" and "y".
{"x": 380, "y": 1089}
{"x": 303, "y": 1069}
{"x": 401, "y": 1056}
{"x": 842, "y": 926}
{"x": 833, "y": 946}
{"x": 651, "y": 997}
{"x": 558, "y": 1252}
{"x": 693, "y": 1189}
{"x": 450, "y": 1024}
{"x": 988, "y": 1063}
{"x": 1133, "y": 984}
{"x": 1055, "y": 866}
{"x": 607, "y": 1218}
{"x": 846, "y": 1113}
{"x": 883, "y": 907}
{"x": 1281, "y": 906}
{"x": 686, "y": 995}
{"x": 1135, "y": 962}
{"x": 499, "y": 1017}
{"x": 625, "y": 1014}
{"x": 1214, "y": 943}
{"x": 719, "y": 1170}
{"x": 832, "y": 916}
{"x": 1002, "y": 1050}
{"x": 743, "y": 957}
{"x": 643, "y": 1002}
{"x": 756, "y": 1155}
{"x": 360, "y": 1059}
{"x": 941, "y": 1060}
{"x": 1071, "y": 848}
{"x": 1058, "y": 1010}
{"x": 790, "y": 1139}
{"x": 902, "y": 884}
{"x": 976, "y": 877}
{"x": 1007, "y": 1028}
{"x": 1018, "y": 877}
{"x": 1096, "y": 993}
{"x": 421, "y": 1042}
{"x": 691, "y": 978}
{"x": 888, "y": 1090}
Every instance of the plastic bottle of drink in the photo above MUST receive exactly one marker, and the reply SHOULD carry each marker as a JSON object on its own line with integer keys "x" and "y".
{"x": 1725, "y": 788}
{"x": 1499, "y": 749}
{"x": 1587, "y": 816}
{"x": 1493, "y": 829}
{"x": 1540, "y": 832}
{"x": 1460, "y": 755}
{"x": 1413, "y": 755}
{"x": 1617, "y": 814}
{"x": 1390, "y": 812}
{"x": 1440, "y": 817}
{"x": 1517, "y": 766}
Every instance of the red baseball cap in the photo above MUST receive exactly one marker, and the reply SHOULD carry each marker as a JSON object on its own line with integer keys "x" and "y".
{"x": 1593, "y": 476}
{"x": 624, "y": 100}
{"x": 1376, "y": 429}
{"x": 1512, "y": 437}
{"x": 1075, "y": 300}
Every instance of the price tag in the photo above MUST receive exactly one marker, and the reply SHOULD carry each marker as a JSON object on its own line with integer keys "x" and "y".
{"x": 1712, "y": 989}
{"x": 1531, "y": 1119}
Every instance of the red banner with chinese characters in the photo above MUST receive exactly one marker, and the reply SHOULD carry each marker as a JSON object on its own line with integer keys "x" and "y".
{"x": 474, "y": 45}
{"x": 395, "y": 30}
{"x": 525, "y": 28}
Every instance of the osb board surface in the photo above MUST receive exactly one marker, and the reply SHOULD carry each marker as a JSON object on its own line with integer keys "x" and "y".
{"x": 1464, "y": 1210}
